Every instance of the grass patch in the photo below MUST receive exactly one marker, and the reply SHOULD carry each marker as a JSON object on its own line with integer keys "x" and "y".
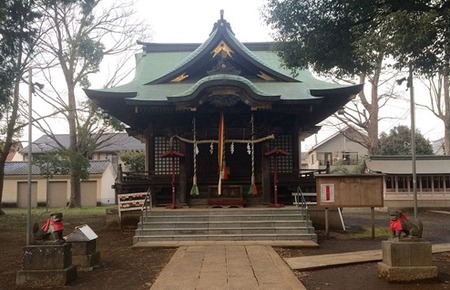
{"x": 40, "y": 211}
{"x": 17, "y": 217}
{"x": 366, "y": 232}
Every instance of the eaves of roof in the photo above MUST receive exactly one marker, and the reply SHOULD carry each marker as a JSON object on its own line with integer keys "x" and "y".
{"x": 112, "y": 142}
{"x": 403, "y": 164}
{"x": 21, "y": 167}
{"x": 285, "y": 91}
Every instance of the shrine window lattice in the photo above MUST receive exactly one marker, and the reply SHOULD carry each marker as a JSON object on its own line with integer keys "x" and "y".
{"x": 163, "y": 166}
{"x": 426, "y": 184}
{"x": 284, "y": 163}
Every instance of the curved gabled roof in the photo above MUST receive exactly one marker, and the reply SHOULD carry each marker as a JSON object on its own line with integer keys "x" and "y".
{"x": 178, "y": 77}
{"x": 222, "y": 44}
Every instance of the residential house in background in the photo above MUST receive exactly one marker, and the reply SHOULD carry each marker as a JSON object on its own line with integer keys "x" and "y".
{"x": 338, "y": 150}
{"x": 108, "y": 146}
{"x": 14, "y": 154}
{"x": 55, "y": 192}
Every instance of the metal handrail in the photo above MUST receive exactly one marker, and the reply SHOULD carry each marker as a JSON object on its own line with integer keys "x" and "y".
{"x": 148, "y": 198}
{"x": 302, "y": 202}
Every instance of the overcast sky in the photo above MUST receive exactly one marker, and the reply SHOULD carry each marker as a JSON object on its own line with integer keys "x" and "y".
{"x": 192, "y": 21}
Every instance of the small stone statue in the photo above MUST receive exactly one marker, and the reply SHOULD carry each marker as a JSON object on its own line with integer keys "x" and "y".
{"x": 51, "y": 231}
{"x": 399, "y": 223}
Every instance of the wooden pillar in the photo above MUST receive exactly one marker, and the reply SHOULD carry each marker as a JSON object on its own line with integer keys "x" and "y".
{"x": 265, "y": 172}
{"x": 149, "y": 150}
{"x": 296, "y": 150}
{"x": 182, "y": 183}
{"x": 150, "y": 157}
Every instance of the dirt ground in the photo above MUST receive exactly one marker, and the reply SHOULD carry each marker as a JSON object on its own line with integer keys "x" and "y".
{"x": 121, "y": 266}
{"x": 125, "y": 268}
{"x": 365, "y": 275}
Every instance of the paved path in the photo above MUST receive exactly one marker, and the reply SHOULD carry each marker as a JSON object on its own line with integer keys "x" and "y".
{"x": 234, "y": 266}
{"x": 227, "y": 267}
{"x": 320, "y": 261}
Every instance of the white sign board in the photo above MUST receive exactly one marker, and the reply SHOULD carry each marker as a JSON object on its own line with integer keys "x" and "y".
{"x": 88, "y": 232}
{"x": 326, "y": 193}
{"x": 81, "y": 234}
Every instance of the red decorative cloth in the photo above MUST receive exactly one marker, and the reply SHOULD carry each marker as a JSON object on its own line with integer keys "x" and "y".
{"x": 396, "y": 225}
{"x": 52, "y": 226}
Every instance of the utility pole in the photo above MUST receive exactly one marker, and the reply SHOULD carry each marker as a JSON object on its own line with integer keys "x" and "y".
{"x": 30, "y": 119}
{"x": 413, "y": 140}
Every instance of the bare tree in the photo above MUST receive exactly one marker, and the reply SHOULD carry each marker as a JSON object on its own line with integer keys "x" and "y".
{"x": 439, "y": 96}
{"x": 80, "y": 34}
{"x": 363, "y": 113}
{"x": 17, "y": 39}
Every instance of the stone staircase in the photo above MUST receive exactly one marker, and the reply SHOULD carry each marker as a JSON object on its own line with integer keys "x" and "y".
{"x": 225, "y": 224}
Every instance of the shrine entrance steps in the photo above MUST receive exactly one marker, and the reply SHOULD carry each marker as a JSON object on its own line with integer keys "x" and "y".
{"x": 188, "y": 226}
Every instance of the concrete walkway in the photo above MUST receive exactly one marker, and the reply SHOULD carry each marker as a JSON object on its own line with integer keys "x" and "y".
{"x": 234, "y": 266}
{"x": 227, "y": 267}
{"x": 320, "y": 261}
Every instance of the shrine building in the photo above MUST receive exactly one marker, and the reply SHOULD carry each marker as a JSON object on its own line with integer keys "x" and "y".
{"x": 222, "y": 121}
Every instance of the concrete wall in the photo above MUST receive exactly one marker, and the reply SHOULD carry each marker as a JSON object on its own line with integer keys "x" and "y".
{"x": 420, "y": 203}
{"x": 106, "y": 193}
{"x": 17, "y": 185}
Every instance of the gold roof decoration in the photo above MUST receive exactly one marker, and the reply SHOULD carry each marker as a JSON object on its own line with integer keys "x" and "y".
{"x": 180, "y": 78}
{"x": 265, "y": 76}
{"x": 223, "y": 49}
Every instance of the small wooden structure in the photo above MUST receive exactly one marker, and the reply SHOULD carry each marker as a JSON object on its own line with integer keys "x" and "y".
{"x": 355, "y": 190}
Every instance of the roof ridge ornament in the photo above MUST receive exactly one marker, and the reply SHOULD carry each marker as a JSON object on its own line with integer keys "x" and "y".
{"x": 222, "y": 24}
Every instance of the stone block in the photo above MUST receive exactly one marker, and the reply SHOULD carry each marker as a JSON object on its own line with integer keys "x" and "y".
{"x": 407, "y": 253}
{"x": 406, "y": 274}
{"x": 87, "y": 262}
{"x": 47, "y": 257}
{"x": 84, "y": 248}
{"x": 406, "y": 261}
{"x": 46, "y": 278}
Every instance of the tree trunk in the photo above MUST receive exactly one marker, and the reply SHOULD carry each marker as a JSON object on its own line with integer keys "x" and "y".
{"x": 9, "y": 137}
{"x": 75, "y": 188}
{"x": 373, "y": 108}
{"x": 446, "y": 120}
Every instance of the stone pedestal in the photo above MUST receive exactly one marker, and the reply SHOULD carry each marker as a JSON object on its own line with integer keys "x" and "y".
{"x": 46, "y": 266}
{"x": 85, "y": 255}
{"x": 406, "y": 261}
{"x": 84, "y": 248}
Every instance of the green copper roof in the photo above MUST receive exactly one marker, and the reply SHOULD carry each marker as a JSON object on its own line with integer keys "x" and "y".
{"x": 262, "y": 72}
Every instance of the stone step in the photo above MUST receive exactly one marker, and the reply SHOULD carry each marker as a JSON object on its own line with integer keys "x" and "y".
{"x": 225, "y": 237}
{"x": 241, "y": 217}
{"x": 220, "y": 231}
{"x": 226, "y": 212}
{"x": 215, "y": 224}
{"x": 250, "y": 224}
